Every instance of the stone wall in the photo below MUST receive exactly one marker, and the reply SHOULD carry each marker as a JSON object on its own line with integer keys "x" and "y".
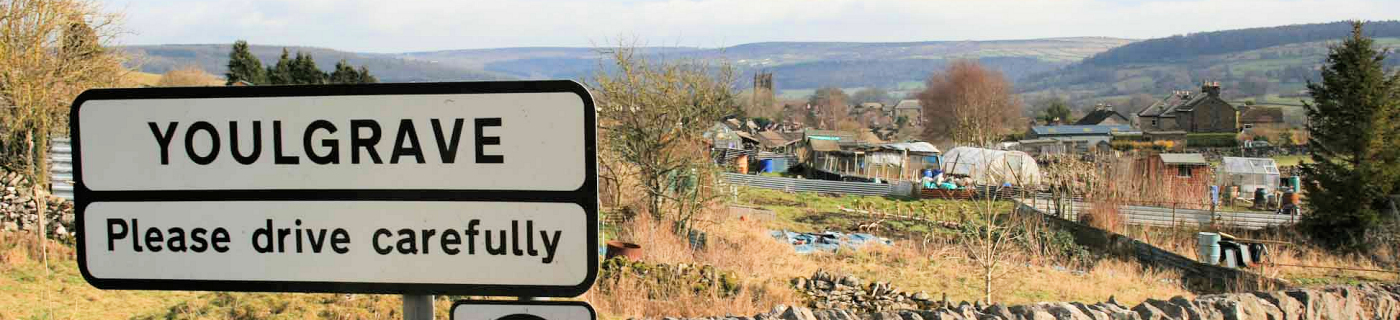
{"x": 19, "y": 209}
{"x": 1335, "y": 303}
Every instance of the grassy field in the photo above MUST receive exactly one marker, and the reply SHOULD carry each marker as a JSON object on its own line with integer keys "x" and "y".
{"x": 924, "y": 257}
{"x": 32, "y": 288}
{"x": 1292, "y": 160}
{"x": 927, "y": 257}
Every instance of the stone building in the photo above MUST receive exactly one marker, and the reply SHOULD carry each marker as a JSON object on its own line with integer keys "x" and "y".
{"x": 1203, "y": 112}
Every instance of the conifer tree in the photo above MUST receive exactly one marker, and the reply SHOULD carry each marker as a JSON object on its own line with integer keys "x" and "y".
{"x": 304, "y": 70}
{"x": 1354, "y": 126}
{"x": 281, "y": 73}
{"x": 365, "y": 77}
{"x": 244, "y": 66}
{"x": 344, "y": 73}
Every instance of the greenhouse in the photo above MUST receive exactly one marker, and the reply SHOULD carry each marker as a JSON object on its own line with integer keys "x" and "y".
{"x": 1249, "y": 174}
{"x": 992, "y": 167}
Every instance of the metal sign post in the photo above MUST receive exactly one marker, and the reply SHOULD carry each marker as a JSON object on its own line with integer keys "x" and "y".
{"x": 417, "y": 307}
{"x": 469, "y": 188}
{"x": 522, "y": 310}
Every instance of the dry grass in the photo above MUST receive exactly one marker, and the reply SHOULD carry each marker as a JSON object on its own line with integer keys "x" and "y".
{"x": 937, "y": 265}
{"x": 1286, "y": 257}
{"x": 31, "y": 290}
{"x": 763, "y": 264}
{"x": 944, "y": 268}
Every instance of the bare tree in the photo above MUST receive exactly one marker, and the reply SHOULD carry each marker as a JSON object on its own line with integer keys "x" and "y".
{"x": 990, "y": 242}
{"x": 652, "y": 115}
{"x": 832, "y": 103}
{"x": 188, "y": 76}
{"x": 969, "y": 104}
{"x": 50, "y": 50}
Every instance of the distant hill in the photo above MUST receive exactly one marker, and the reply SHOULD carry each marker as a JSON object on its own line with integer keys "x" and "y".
{"x": 802, "y": 65}
{"x": 796, "y": 65}
{"x": 213, "y": 58}
{"x": 1266, "y": 65}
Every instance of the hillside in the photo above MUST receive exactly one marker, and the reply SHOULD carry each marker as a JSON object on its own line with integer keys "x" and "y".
{"x": 213, "y": 58}
{"x": 1266, "y": 65}
{"x": 802, "y": 65}
{"x": 796, "y": 65}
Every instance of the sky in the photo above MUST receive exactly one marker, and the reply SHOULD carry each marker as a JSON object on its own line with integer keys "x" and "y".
{"x": 389, "y": 26}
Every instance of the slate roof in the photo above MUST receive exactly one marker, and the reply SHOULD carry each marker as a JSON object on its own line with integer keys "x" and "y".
{"x": 1184, "y": 158}
{"x": 1167, "y": 108}
{"x": 774, "y": 139}
{"x": 908, "y": 104}
{"x": 1262, "y": 115}
{"x": 1080, "y": 130}
{"x": 1098, "y": 116}
{"x": 824, "y": 145}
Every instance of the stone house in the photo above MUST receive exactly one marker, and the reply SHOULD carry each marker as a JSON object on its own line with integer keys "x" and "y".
{"x": 910, "y": 109}
{"x": 1103, "y": 115}
{"x": 1203, "y": 112}
{"x": 1261, "y": 117}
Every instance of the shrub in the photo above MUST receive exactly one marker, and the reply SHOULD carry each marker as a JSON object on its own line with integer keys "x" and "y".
{"x": 1129, "y": 137}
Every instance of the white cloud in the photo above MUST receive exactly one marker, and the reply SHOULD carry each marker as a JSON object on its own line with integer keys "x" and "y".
{"x": 396, "y": 26}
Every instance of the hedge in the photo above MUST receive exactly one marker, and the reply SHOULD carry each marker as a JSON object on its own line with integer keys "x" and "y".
{"x": 1212, "y": 140}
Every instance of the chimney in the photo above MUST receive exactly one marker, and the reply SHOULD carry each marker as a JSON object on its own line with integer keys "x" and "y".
{"x": 1211, "y": 88}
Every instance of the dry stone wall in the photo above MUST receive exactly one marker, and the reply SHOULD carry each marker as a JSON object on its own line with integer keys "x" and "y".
{"x": 19, "y": 208}
{"x": 1369, "y": 301}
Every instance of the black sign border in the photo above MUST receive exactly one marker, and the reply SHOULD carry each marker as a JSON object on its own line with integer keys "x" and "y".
{"x": 586, "y": 196}
{"x": 459, "y": 303}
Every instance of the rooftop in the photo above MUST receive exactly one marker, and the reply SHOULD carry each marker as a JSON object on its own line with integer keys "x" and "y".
{"x": 1080, "y": 130}
{"x": 1184, "y": 158}
{"x": 908, "y": 104}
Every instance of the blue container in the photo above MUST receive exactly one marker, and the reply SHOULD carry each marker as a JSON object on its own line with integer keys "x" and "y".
{"x": 765, "y": 165}
{"x": 1295, "y": 182}
{"x": 928, "y": 173}
{"x": 1215, "y": 194}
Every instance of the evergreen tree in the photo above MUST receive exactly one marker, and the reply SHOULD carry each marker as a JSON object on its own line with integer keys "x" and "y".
{"x": 1354, "y": 123}
{"x": 244, "y": 66}
{"x": 304, "y": 70}
{"x": 365, "y": 77}
{"x": 281, "y": 73}
{"x": 1056, "y": 110}
{"x": 344, "y": 73}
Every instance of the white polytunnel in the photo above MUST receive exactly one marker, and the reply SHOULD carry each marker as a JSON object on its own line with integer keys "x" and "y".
{"x": 992, "y": 167}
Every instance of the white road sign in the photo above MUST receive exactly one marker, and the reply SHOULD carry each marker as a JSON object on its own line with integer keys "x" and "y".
{"x": 480, "y": 188}
{"x": 522, "y": 310}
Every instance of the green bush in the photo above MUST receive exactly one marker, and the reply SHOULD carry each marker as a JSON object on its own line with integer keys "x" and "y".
{"x": 1212, "y": 140}
{"x": 1128, "y": 137}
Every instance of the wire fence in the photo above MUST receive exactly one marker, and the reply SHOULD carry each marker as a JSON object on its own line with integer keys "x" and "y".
{"x": 1162, "y": 214}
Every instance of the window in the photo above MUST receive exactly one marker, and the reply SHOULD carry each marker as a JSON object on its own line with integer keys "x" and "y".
{"x": 1154, "y": 122}
{"x": 1183, "y": 171}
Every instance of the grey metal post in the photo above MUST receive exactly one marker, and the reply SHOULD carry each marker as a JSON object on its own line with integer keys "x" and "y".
{"x": 417, "y": 307}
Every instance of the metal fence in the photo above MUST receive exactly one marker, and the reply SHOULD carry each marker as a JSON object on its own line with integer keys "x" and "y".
{"x": 1167, "y": 216}
{"x": 810, "y": 185}
{"x": 61, "y": 167}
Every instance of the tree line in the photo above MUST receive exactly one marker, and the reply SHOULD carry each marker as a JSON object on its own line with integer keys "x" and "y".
{"x": 1218, "y": 42}
{"x": 243, "y": 66}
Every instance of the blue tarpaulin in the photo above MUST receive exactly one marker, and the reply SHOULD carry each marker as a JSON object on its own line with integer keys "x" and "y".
{"x": 830, "y": 241}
